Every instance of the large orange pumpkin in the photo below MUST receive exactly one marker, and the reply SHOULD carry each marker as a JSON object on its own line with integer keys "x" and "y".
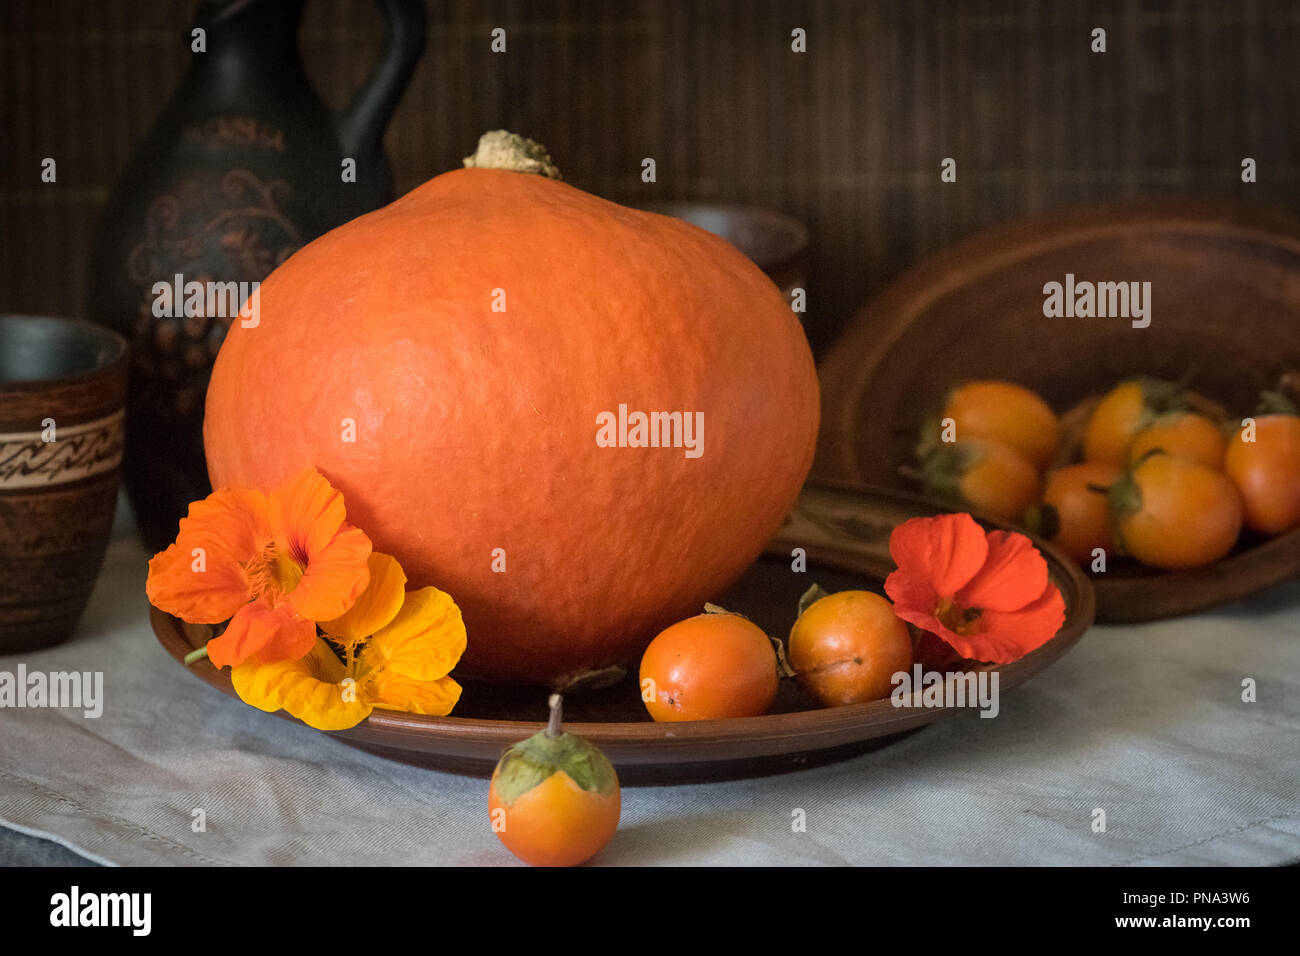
{"x": 447, "y": 361}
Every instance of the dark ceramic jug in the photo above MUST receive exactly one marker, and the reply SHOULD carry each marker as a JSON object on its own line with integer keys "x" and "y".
{"x": 245, "y": 165}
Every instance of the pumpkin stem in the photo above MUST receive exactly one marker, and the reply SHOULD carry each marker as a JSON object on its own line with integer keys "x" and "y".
{"x": 501, "y": 149}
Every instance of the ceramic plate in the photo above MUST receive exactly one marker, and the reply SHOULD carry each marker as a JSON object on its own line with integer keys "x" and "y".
{"x": 845, "y": 534}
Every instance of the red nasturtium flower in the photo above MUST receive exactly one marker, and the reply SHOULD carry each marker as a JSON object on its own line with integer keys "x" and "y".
{"x": 274, "y": 565}
{"x": 988, "y": 596}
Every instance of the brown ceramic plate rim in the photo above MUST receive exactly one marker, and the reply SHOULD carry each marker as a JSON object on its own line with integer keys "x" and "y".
{"x": 667, "y": 743}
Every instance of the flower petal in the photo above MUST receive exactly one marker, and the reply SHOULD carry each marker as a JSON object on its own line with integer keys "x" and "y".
{"x": 233, "y": 522}
{"x": 202, "y": 592}
{"x": 914, "y": 599}
{"x": 262, "y": 633}
{"x": 423, "y": 642}
{"x": 306, "y": 513}
{"x": 945, "y": 551}
{"x": 310, "y": 688}
{"x": 335, "y": 576}
{"x": 199, "y": 577}
{"x": 1013, "y": 575}
{"x": 1007, "y": 636}
{"x": 392, "y": 691}
{"x": 376, "y": 606}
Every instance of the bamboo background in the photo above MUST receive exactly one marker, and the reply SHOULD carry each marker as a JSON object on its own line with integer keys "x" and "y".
{"x": 847, "y": 137}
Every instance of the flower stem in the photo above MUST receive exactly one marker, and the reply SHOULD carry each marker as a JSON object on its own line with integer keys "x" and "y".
{"x": 554, "y": 726}
{"x": 193, "y": 657}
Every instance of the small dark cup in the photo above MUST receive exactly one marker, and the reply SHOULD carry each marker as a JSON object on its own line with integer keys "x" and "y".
{"x": 775, "y": 242}
{"x": 62, "y": 392}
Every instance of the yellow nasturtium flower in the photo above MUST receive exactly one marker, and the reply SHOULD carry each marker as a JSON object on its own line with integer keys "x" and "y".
{"x": 398, "y": 648}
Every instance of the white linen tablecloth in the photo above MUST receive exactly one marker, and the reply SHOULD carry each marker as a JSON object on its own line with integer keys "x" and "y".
{"x": 1144, "y": 722}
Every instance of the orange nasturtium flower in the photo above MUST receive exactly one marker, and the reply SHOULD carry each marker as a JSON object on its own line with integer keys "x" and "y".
{"x": 398, "y": 646}
{"x": 986, "y": 595}
{"x": 273, "y": 565}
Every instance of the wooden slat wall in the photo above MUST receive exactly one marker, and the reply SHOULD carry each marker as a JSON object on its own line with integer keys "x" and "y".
{"x": 847, "y": 137}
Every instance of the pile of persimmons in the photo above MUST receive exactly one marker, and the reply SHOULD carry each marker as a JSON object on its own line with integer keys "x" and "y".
{"x": 1150, "y": 470}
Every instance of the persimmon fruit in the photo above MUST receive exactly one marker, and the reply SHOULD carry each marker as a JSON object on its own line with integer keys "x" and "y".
{"x": 1124, "y": 411}
{"x": 1183, "y": 434}
{"x": 1074, "y": 514}
{"x": 1174, "y": 513}
{"x": 992, "y": 478}
{"x": 554, "y": 799}
{"x": 1009, "y": 414}
{"x": 1266, "y": 472}
{"x": 846, "y": 647}
{"x": 713, "y": 666}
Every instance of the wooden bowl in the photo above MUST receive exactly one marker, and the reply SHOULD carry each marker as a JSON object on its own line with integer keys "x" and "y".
{"x": 1225, "y": 312}
{"x": 846, "y": 537}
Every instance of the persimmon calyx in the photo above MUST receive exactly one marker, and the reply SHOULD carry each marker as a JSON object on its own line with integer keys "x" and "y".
{"x": 1277, "y": 403}
{"x": 943, "y": 468}
{"x": 1124, "y": 499}
{"x": 1162, "y": 397}
{"x": 583, "y": 681}
{"x": 811, "y": 597}
{"x": 1044, "y": 520}
{"x": 783, "y": 668}
{"x": 554, "y": 750}
{"x": 1288, "y": 385}
{"x": 501, "y": 149}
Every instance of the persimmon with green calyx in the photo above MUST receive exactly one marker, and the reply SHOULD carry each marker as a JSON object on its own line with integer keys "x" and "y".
{"x": 846, "y": 647}
{"x": 1124, "y": 411}
{"x": 714, "y": 666}
{"x": 1266, "y": 469}
{"x": 1002, "y": 412}
{"x": 1074, "y": 514}
{"x": 1174, "y": 513}
{"x": 1183, "y": 434}
{"x": 554, "y": 798}
{"x": 991, "y": 478}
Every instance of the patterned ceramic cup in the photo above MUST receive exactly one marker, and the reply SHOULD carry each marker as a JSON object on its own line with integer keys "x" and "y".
{"x": 62, "y": 390}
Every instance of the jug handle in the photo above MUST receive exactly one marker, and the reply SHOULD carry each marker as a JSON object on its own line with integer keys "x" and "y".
{"x": 362, "y": 122}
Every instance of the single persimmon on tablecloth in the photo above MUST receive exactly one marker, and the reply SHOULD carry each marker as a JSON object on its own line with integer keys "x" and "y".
{"x": 1144, "y": 722}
